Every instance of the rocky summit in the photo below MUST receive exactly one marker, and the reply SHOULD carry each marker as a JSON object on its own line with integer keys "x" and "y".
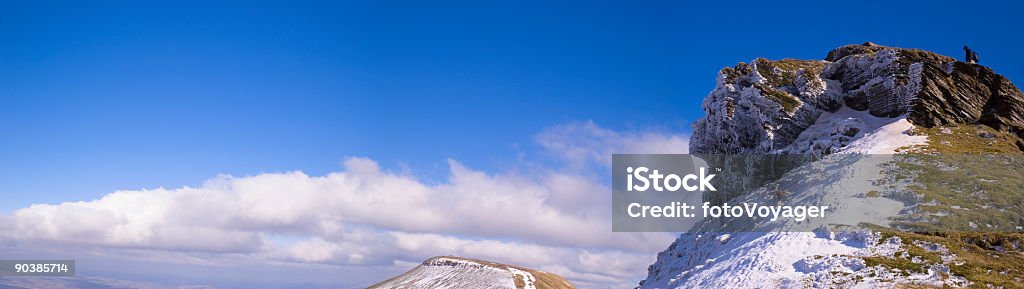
{"x": 763, "y": 106}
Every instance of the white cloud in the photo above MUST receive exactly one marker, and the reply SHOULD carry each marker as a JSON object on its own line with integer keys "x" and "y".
{"x": 552, "y": 219}
{"x": 580, "y": 143}
{"x": 317, "y": 250}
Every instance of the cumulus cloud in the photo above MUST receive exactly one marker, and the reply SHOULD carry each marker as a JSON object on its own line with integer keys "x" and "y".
{"x": 581, "y": 143}
{"x": 552, "y": 219}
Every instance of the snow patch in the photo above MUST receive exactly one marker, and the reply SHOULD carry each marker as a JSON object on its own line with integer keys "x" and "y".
{"x": 851, "y": 131}
{"x": 527, "y": 277}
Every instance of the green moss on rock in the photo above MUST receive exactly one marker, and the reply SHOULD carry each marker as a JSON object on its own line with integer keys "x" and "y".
{"x": 783, "y": 72}
{"x": 788, "y": 102}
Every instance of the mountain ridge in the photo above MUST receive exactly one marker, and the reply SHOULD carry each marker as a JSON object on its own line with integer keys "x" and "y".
{"x": 459, "y": 272}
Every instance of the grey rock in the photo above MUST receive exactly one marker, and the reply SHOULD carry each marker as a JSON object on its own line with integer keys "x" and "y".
{"x": 762, "y": 107}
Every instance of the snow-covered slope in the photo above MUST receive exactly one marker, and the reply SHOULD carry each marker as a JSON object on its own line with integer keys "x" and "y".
{"x": 454, "y": 272}
{"x": 831, "y": 256}
{"x": 824, "y": 259}
{"x": 799, "y": 259}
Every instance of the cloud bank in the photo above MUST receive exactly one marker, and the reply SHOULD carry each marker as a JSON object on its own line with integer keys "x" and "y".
{"x": 554, "y": 219}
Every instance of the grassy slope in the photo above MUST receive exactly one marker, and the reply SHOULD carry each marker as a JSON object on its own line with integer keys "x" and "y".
{"x": 964, "y": 174}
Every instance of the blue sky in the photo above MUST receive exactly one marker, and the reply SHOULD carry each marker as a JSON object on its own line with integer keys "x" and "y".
{"x": 100, "y": 97}
{"x": 121, "y": 95}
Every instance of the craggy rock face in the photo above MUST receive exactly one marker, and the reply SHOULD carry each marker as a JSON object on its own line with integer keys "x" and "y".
{"x": 944, "y": 91}
{"x": 762, "y": 107}
{"x": 968, "y": 94}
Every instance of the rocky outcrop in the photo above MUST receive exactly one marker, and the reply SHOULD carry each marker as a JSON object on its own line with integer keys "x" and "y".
{"x": 942, "y": 90}
{"x": 762, "y": 107}
{"x": 967, "y": 94}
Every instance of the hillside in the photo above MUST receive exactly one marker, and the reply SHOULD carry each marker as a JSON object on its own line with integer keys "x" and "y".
{"x": 946, "y": 202}
{"x": 455, "y": 272}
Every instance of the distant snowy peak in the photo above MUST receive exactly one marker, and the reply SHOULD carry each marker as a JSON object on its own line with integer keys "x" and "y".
{"x": 767, "y": 106}
{"x": 455, "y": 272}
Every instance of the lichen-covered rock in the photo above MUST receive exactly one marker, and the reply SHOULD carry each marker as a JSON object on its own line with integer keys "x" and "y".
{"x": 762, "y": 107}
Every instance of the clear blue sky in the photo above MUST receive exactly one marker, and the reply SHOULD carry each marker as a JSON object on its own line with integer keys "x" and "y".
{"x": 126, "y": 95}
